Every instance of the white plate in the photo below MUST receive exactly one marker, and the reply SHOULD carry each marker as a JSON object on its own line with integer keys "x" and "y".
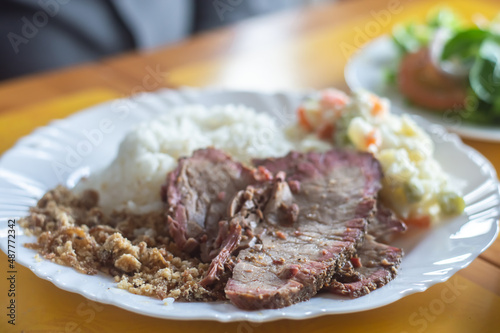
{"x": 367, "y": 70}
{"x": 43, "y": 159}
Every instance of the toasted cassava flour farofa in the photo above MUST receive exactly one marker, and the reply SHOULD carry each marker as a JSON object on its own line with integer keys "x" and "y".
{"x": 135, "y": 249}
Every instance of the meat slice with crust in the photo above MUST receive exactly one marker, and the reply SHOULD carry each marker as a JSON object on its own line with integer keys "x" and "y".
{"x": 334, "y": 194}
{"x": 198, "y": 193}
{"x": 385, "y": 224}
{"x": 374, "y": 265}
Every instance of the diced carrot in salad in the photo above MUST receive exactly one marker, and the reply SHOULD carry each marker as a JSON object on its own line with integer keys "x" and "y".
{"x": 419, "y": 221}
{"x": 373, "y": 138}
{"x": 378, "y": 108}
{"x": 301, "y": 114}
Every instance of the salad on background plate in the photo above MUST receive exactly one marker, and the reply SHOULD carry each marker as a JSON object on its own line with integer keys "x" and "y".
{"x": 445, "y": 70}
{"x": 446, "y": 64}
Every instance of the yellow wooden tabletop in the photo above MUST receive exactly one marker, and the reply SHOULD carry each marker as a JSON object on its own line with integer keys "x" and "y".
{"x": 292, "y": 50}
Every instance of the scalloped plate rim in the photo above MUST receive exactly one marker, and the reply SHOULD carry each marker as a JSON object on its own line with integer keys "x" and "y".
{"x": 266, "y": 315}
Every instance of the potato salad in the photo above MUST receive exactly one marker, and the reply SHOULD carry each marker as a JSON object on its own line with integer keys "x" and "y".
{"x": 414, "y": 186}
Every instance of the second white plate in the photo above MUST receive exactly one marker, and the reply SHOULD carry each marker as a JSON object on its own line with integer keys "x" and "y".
{"x": 367, "y": 69}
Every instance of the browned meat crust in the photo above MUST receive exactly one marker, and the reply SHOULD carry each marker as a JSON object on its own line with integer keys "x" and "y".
{"x": 374, "y": 266}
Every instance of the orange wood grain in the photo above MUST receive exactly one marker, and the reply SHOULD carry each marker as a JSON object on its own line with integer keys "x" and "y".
{"x": 39, "y": 88}
{"x": 492, "y": 254}
{"x": 484, "y": 273}
{"x": 17, "y": 122}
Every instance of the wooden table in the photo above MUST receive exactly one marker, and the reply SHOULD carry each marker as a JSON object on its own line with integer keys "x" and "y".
{"x": 292, "y": 50}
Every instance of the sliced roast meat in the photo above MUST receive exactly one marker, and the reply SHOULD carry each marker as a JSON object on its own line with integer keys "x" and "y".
{"x": 293, "y": 234}
{"x": 306, "y": 237}
{"x": 385, "y": 224}
{"x": 231, "y": 240}
{"x": 374, "y": 265}
{"x": 279, "y": 208}
{"x": 198, "y": 193}
{"x": 237, "y": 233}
{"x": 287, "y": 267}
{"x": 298, "y": 166}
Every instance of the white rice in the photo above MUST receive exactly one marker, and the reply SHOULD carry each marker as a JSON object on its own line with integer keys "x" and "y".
{"x": 133, "y": 180}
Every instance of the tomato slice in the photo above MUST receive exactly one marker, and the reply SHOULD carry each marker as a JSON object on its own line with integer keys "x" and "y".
{"x": 425, "y": 85}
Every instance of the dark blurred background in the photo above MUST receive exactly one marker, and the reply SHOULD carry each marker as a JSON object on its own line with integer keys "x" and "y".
{"x": 40, "y": 35}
